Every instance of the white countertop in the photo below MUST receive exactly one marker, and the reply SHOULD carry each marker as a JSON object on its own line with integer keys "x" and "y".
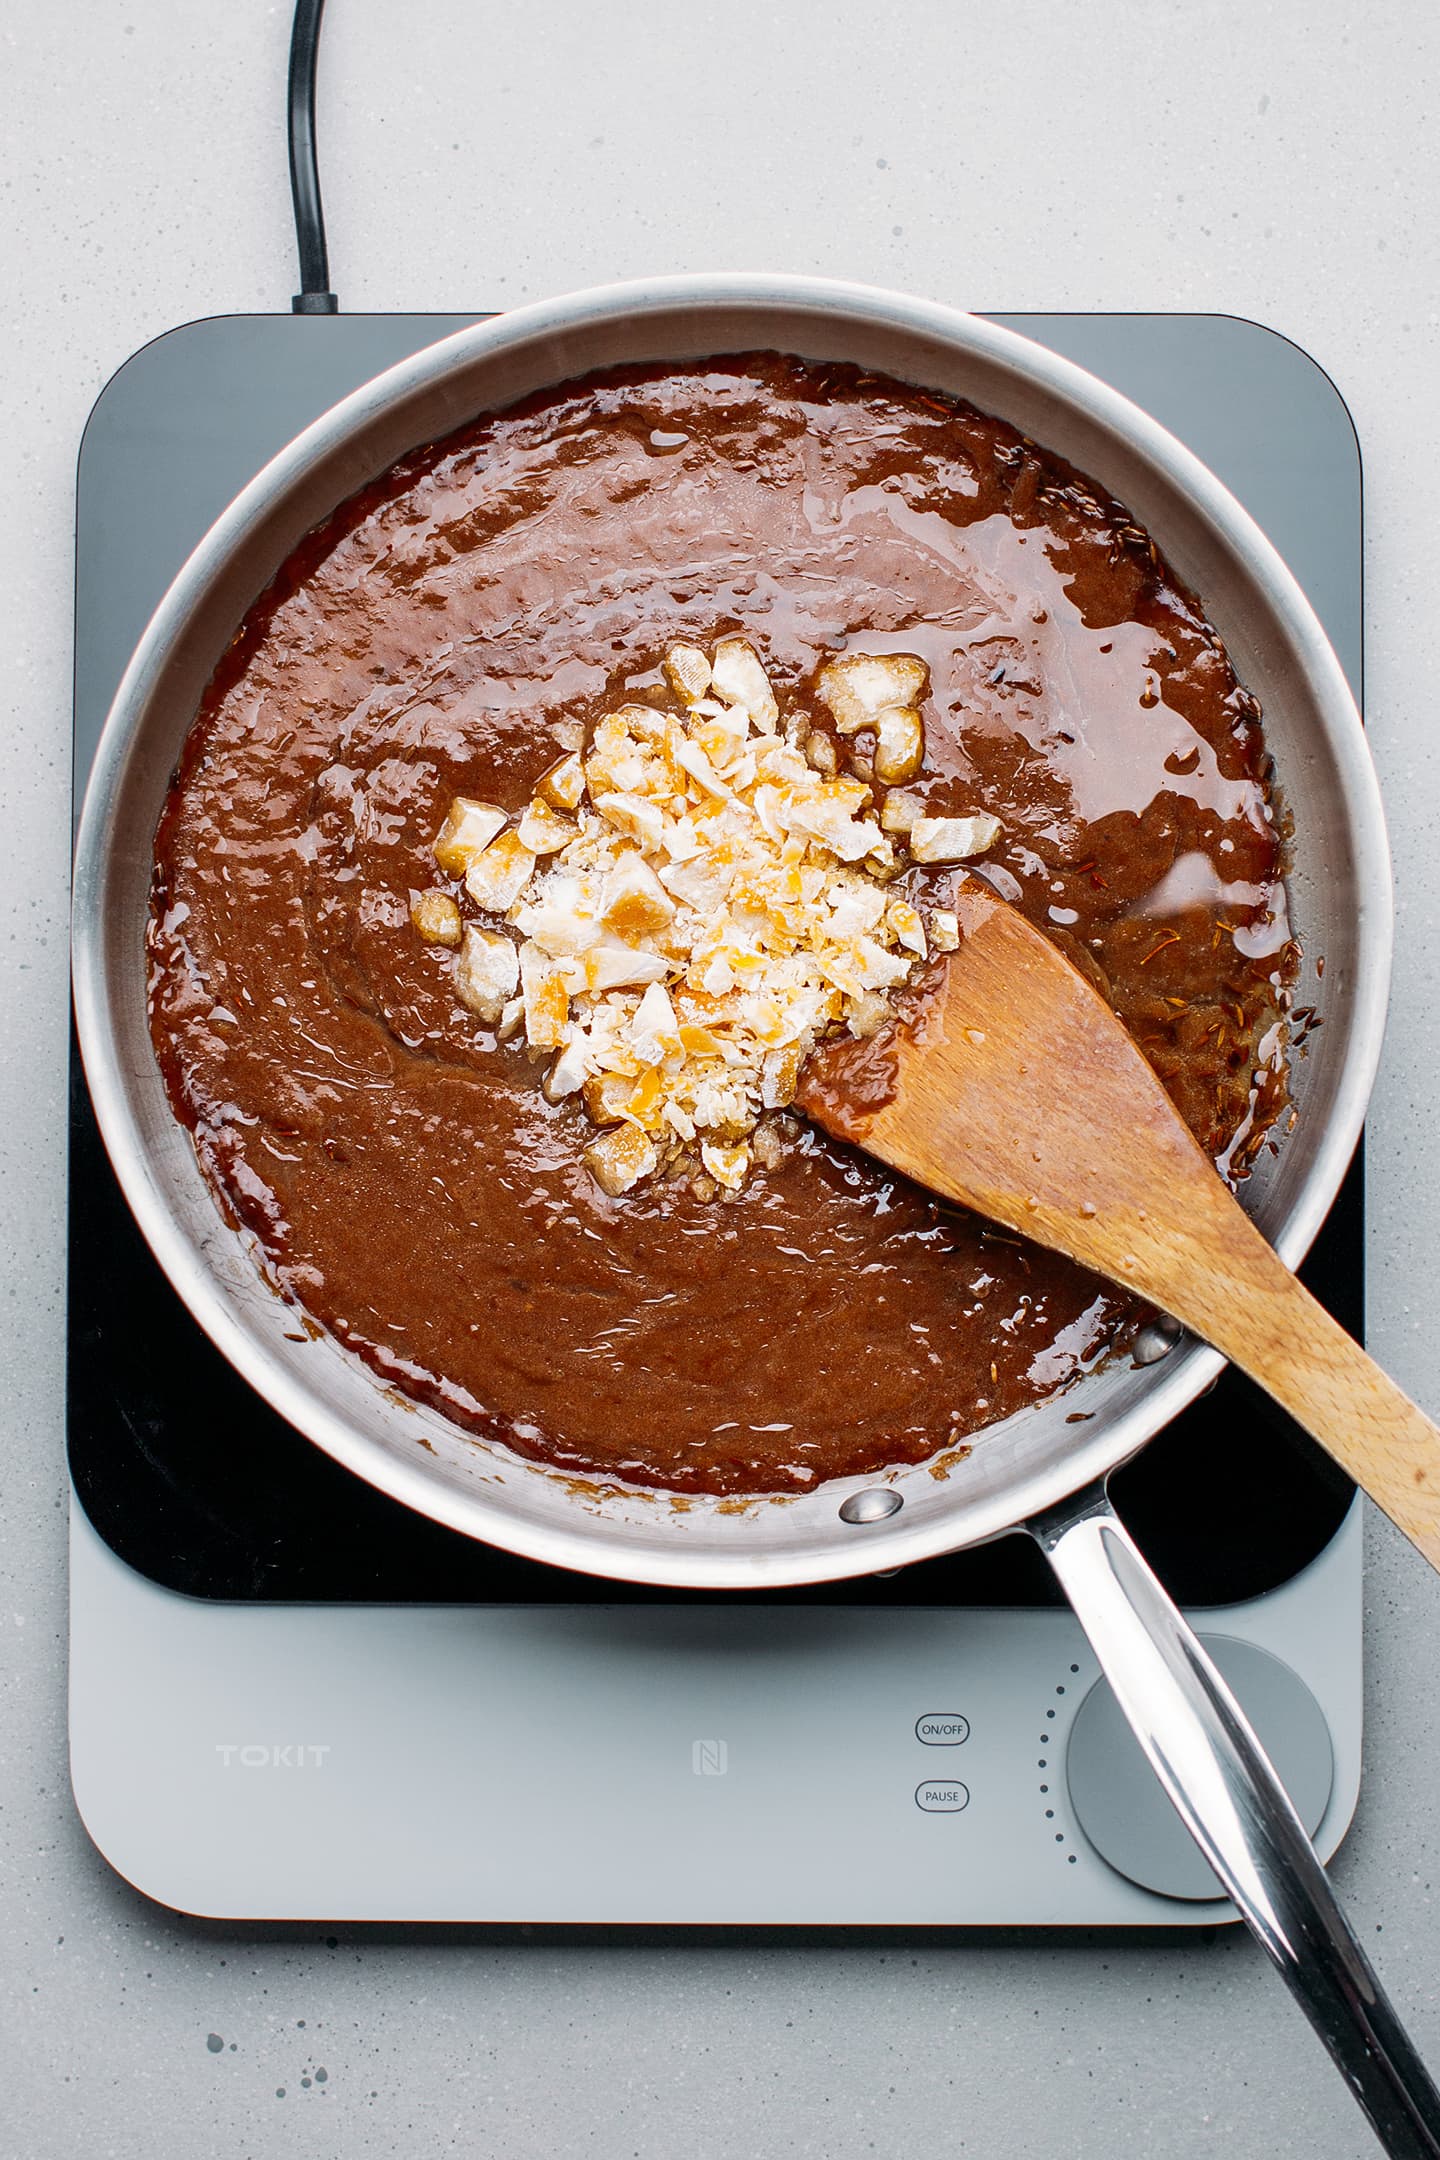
{"x": 1279, "y": 162}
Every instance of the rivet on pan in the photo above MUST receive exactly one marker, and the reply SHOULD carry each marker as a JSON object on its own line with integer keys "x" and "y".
{"x": 1156, "y": 1340}
{"x": 871, "y": 1506}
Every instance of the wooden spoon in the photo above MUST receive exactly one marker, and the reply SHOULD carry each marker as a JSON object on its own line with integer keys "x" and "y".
{"x": 1010, "y": 1086}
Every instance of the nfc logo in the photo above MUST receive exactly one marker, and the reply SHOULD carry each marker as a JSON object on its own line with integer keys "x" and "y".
{"x": 255, "y": 1755}
{"x": 709, "y": 1758}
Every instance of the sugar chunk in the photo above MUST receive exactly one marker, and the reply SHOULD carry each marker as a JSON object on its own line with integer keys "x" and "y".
{"x": 858, "y": 687}
{"x": 469, "y": 826}
{"x": 437, "y": 918}
{"x": 620, "y": 1158}
{"x": 486, "y": 971}
{"x": 739, "y": 678}
{"x": 499, "y": 874}
{"x": 946, "y": 840}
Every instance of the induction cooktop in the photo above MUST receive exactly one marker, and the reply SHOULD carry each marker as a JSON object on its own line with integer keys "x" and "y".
{"x": 293, "y": 1698}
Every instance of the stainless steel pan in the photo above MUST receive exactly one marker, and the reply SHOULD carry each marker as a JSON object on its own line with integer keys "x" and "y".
{"x": 1037, "y": 1471}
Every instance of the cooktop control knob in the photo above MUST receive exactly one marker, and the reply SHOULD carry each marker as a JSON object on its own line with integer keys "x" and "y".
{"x": 1118, "y": 1799}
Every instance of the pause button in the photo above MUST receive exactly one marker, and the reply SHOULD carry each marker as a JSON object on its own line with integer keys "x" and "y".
{"x": 941, "y": 1797}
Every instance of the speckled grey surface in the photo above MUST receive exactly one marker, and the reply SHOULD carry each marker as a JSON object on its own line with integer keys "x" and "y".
{"x": 1280, "y": 162}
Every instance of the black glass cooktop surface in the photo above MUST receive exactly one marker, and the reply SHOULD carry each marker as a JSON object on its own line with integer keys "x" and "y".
{"x": 180, "y": 1466}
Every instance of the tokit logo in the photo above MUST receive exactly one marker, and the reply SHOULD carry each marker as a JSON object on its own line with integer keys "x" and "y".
{"x": 257, "y": 1755}
{"x": 709, "y": 1758}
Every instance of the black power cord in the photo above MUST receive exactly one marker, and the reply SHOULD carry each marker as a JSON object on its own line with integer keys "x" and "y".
{"x": 314, "y": 296}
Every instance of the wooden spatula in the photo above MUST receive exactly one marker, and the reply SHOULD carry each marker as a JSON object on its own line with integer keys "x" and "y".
{"x": 1014, "y": 1090}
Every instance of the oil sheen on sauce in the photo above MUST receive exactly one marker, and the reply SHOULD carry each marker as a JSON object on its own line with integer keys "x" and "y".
{"x": 452, "y": 630}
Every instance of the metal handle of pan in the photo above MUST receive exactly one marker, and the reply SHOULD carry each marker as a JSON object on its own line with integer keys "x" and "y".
{"x": 1216, "y": 1773}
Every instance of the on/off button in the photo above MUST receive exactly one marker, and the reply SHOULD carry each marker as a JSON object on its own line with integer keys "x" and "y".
{"x": 942, "y": 1728}
{"x": 940, "y": 1796}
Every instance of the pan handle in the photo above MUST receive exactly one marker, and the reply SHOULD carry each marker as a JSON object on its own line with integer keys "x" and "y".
{"x": 1217, "y": 1775}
